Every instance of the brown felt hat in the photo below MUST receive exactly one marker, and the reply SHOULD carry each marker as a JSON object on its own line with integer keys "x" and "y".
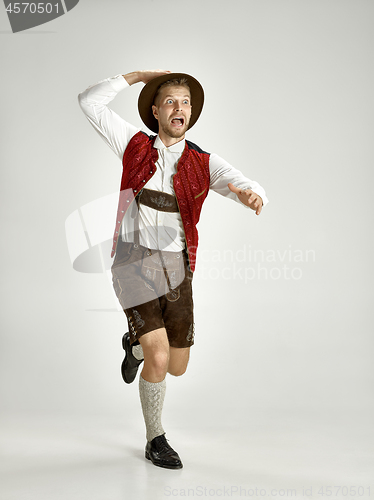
{"x": 148, "y": 93}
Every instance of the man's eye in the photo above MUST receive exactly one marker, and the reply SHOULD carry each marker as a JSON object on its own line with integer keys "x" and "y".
{"x": 186, "y": 102}
{"x": 169, "y": 101}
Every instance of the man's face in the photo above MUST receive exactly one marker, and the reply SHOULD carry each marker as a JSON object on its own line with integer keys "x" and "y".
{"x": 173, "y": 111}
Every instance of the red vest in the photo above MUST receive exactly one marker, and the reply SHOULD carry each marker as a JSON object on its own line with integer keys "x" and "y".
{"x": 191, "y": 184}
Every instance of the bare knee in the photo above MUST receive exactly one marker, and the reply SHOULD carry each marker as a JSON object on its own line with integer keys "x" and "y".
{"x": 177, "y": 371}
{"x": 178, "y": 361}
{"x": 155, "y": 346}
{"x": 157, "y": 363}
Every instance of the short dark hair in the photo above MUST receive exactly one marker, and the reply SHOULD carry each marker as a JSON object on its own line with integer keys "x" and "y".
{"x": 176, "y": 82}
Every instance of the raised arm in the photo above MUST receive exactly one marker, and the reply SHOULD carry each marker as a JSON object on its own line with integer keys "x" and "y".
{"x": 113, "y": 129}
{"x": 144, "y": 76}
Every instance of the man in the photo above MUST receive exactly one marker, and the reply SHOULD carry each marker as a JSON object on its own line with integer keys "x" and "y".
{"x": 165, "y": 181}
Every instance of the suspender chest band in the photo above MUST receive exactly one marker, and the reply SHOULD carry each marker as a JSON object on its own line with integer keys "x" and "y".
{"x": 158, "y": 200}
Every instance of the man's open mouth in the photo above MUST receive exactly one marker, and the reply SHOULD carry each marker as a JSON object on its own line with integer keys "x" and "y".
{"x": 178, "y": 121}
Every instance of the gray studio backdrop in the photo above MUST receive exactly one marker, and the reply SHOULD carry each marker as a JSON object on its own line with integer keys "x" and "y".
{"x": 283, "y": 301}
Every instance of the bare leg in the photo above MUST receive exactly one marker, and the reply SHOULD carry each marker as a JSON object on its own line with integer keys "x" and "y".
{"x": 160, "y": 358}
{"x": 155, "y": 346}
{"x": 178, "y": 360}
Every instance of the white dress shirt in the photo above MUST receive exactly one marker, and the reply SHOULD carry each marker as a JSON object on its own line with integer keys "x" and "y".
{"x": 158, "y": 230}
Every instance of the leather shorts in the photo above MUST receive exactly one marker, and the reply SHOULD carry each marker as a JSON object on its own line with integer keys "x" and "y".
{"x": 154, "y": 288}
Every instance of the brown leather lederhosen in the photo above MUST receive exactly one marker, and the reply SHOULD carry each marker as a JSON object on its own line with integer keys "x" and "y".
{"x": 147, "y": 282}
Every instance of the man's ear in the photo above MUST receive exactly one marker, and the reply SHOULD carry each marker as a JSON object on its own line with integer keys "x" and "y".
{"x": 155, "y": 112}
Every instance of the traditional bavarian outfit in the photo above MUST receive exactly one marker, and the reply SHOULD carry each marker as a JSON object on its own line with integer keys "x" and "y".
{"x": 155, "y": 240}
{"x": 153, "y": 285}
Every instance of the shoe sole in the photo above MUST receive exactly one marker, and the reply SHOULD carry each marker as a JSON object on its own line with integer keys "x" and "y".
{"x": 148, "y": 457}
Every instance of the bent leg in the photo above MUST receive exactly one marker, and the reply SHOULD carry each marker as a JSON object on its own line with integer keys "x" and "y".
{"x": 178, "y": 360}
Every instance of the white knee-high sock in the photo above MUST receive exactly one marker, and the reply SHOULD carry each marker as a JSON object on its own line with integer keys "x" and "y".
{"x": 137, "y": 352}
{"x": 152, "y": 397}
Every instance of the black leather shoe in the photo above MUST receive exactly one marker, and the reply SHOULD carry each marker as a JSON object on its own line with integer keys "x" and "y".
{"x": 162, "y": 454}
{"x": 130, "y": 364}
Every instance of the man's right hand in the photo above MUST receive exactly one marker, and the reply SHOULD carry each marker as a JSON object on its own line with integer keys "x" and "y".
{"x": 144, "y": 76}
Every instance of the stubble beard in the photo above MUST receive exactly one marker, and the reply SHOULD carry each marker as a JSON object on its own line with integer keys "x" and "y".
{"x": 174, "y": 133}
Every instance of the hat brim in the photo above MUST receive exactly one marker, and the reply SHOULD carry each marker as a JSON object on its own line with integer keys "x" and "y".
{"x": 147, "y": 95}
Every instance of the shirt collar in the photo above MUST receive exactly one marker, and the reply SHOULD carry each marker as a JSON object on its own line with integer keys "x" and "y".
{"x": 178, "y": 147}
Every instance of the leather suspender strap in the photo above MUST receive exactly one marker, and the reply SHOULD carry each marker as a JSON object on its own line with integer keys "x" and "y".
{"x": 135, "y": 216}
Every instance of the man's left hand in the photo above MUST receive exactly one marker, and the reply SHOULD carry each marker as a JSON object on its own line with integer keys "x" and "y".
{"x": 248, "y": 197}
